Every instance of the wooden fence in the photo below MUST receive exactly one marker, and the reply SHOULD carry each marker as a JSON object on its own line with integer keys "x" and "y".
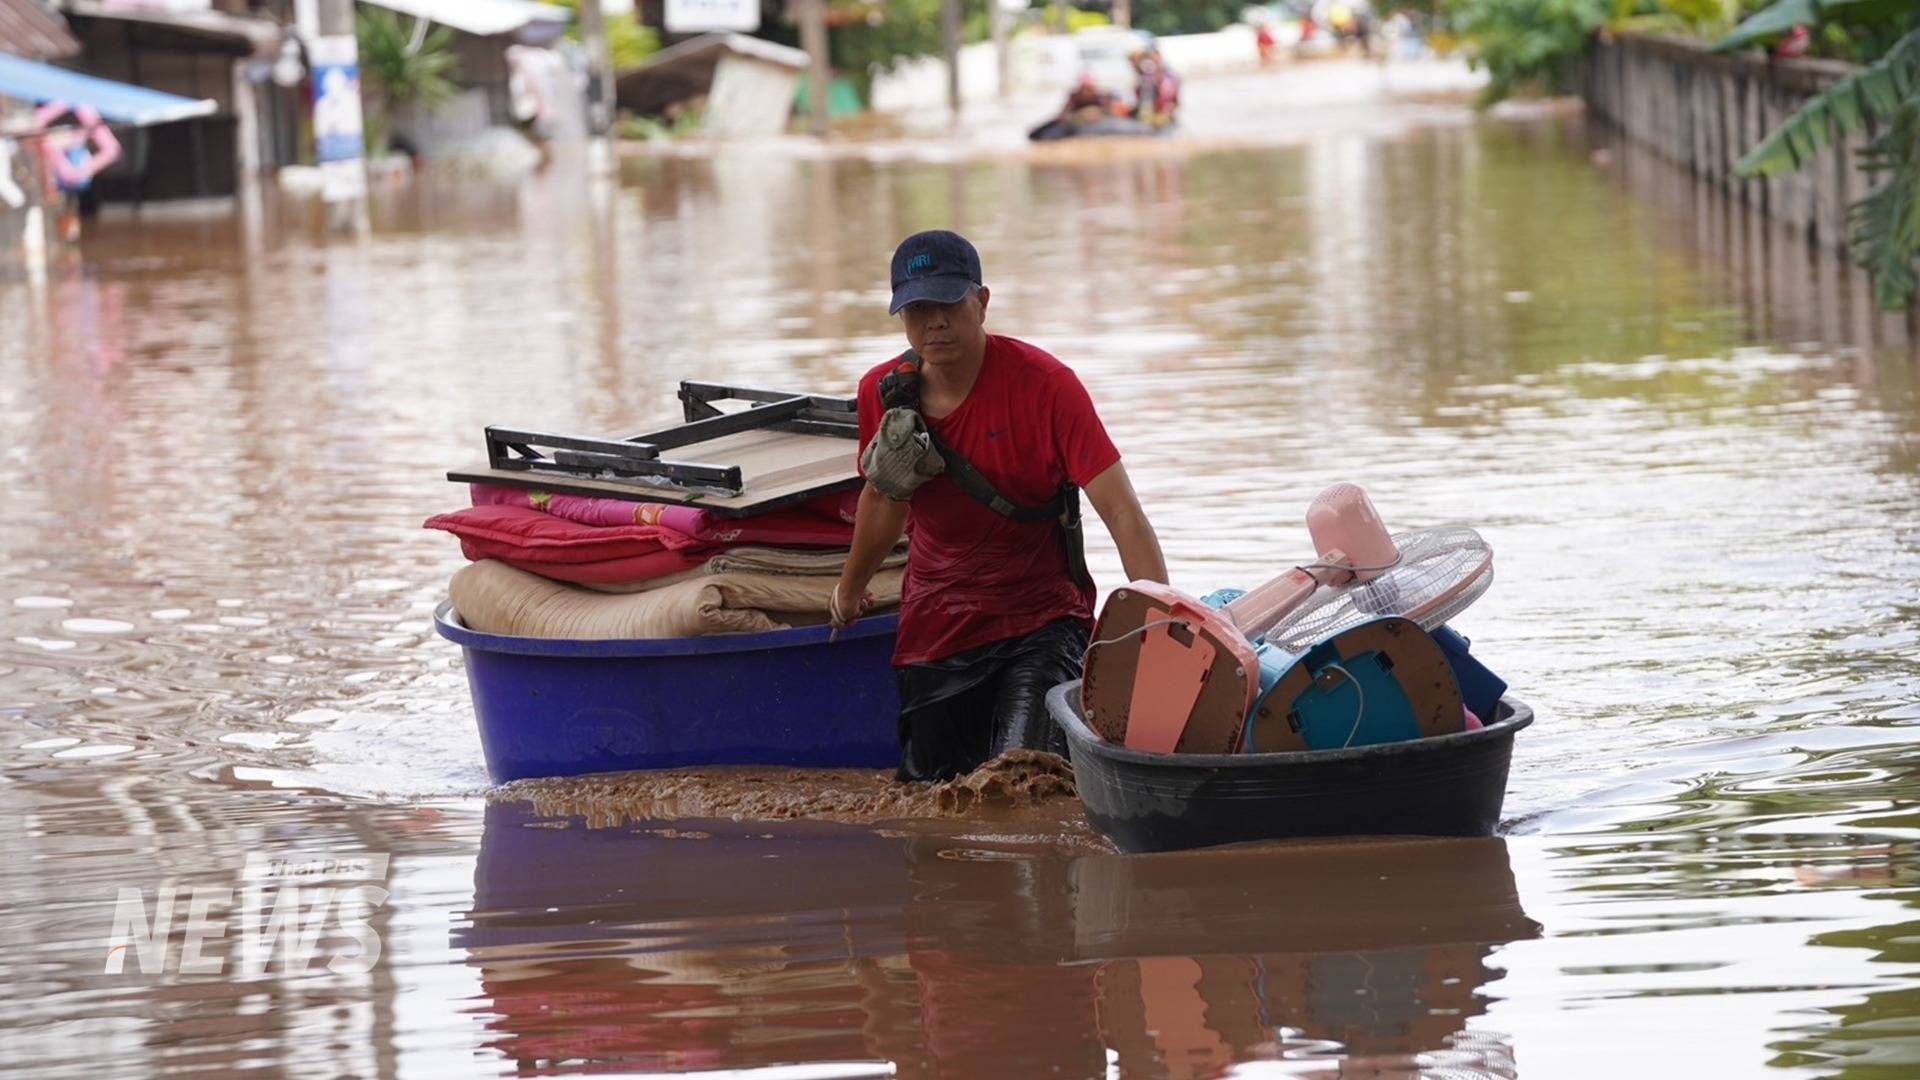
{"x": 1703, "y": 111}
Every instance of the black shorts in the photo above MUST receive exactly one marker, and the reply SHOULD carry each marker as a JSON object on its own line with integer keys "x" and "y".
{"x": 960, "y": 712}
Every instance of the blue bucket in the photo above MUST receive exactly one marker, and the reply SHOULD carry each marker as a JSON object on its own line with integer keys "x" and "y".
{"x": 555, "y": 707}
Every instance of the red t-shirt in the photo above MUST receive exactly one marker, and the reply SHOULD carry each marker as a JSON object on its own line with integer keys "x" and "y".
{"x": 975, "y": 577}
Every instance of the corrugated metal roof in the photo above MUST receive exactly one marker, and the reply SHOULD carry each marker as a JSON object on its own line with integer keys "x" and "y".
{"x": 29, "y": 29}
{"x": 119, "y": 102}
{"x": 760, "y": 49}
{"x": 684, "y": 70}
{"x": 244, "y": 33}
{"x": 482, "y": 18}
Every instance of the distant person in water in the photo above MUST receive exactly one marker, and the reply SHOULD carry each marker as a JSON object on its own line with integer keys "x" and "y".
{"x": 1086, "y": 102}
{"x": 1157, "y": 90}
{"x": 75, "y": 146}
{"x": 978, "y": 446}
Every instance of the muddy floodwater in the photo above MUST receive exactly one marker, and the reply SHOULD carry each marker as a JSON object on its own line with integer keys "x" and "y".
{"x": 1696, "y": 454}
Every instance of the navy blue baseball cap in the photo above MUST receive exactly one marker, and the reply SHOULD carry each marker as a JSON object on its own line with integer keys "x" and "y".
{"x": 934, "y": 265}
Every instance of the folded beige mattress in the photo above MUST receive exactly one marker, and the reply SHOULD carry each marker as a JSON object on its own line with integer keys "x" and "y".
{"x": 494, "y": 598}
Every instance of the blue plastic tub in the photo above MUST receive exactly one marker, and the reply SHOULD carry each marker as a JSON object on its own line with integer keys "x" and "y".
{"x": 551, "y": 707}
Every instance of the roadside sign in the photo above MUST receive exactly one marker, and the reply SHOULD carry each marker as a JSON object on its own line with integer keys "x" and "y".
{"x": 334, "y": 60}
{"x": 700, "y": 16}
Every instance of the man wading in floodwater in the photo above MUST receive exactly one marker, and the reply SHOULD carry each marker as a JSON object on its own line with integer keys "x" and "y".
{"x": 982, "y": 443}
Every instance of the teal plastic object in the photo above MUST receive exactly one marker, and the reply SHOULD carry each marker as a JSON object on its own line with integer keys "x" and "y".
{"x": 1355, "y": 702}
{"x": 1220, "y": 598}
{"x": 843, "y": 98}
{"x": 1274, "y": 662}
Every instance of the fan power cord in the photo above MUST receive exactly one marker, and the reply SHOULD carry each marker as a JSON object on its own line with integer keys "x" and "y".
{"x": 1246, "y": 729}
{"x": 1141, "y": 629}
{"x": 1358, "y": 713}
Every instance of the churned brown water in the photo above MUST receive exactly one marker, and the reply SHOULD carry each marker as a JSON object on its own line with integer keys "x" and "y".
{"x": 1697, "y": 463}
{"x": 1021, "y": 784}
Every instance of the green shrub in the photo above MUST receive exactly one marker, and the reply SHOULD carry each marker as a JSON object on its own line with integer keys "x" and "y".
{"x": 1526, "y": 45}
{"x": 398, "y": 71}
{"x": 1186, "y": 16}
{"x": 401, "y": 72}
{"x": 628, "y": 42}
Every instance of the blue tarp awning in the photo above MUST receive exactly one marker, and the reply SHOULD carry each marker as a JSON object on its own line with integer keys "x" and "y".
{"x": 118, "y": 102}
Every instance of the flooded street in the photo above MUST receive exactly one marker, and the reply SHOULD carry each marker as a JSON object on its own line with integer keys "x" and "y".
{"x": 1696, "y": 462}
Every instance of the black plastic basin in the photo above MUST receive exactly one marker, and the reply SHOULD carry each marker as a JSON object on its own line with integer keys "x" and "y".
{"x": 1450, "y": 785}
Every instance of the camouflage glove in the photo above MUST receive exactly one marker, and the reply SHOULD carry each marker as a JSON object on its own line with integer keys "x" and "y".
{"x": 901, "y": 456}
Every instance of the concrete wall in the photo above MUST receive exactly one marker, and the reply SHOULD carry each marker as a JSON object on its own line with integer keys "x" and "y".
{"x": 921, "y": 83}
{"x": 1704, "y": 111}
{"x": 1232, "y": 49}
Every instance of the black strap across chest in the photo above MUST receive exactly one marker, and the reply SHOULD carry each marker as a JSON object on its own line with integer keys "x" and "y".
{"x": 900, "y": 389}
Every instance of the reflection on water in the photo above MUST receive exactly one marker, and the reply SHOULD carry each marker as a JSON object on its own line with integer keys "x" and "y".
{"x": 973, "y": 956}
{"x": 215, "y": 631}
{"x": 1878, "y": 1035}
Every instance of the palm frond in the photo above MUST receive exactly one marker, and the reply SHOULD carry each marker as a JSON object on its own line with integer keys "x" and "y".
{"x": 1876, "y": 92}
{"x": 405, "y": 74}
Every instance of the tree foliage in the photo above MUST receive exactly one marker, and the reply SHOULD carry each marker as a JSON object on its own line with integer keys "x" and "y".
{"x": 1700, "y": 18}
{"x": 628, "y": 42}
{"x": 1186, "y": 16}
{"x": 1526, "y": 44}
{"x": 871, "y": 37}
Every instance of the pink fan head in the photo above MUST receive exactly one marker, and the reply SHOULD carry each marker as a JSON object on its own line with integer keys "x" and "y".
{"x": 1342, "y": 519}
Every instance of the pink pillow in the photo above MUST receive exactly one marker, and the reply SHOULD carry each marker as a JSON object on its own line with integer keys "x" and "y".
{"x": 508, "y": 532}
{"x": 826, "y": 521}
{"x": 581, "y": 508}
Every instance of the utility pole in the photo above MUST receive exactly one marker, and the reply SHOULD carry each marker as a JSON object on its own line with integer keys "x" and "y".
{"x": 950, "y": 44}
{"x": 333, "y": 63}
{"x": 813, "y": 38}
{"x": 600, "y": 88}
{"x": 997, "y": 26}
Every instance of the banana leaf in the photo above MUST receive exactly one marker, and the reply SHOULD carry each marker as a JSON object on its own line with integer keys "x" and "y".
{"x": 1878, "y": 92}
{"x": 1769, "y": 23}
{"x": 1862, "y": 12}
{"x": 1885, "y": 234}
